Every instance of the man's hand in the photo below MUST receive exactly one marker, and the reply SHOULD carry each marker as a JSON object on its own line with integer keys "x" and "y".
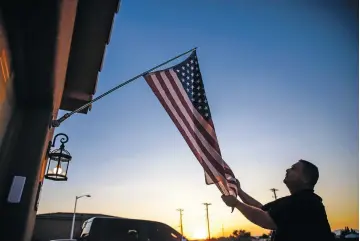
{"x": 229, "y": 200}
{"x": 253, "y": 214}
{"x": 246, "y": 198}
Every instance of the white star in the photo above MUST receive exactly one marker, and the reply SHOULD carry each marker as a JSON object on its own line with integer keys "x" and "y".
{"x": 183, "y": 67}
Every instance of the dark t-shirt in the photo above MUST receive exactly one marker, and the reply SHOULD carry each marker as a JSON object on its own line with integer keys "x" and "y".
{"x": 299, "y": 217}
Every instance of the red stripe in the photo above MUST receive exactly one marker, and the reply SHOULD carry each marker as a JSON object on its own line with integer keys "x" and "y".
{"x": 213, "y": 161}
{"x": 177, "y": 124}
{"x": 193, "y": 141}
{"x": 204, "y": 133}
{"x": 217, "y": 141}
{"x": 198, "y": 125}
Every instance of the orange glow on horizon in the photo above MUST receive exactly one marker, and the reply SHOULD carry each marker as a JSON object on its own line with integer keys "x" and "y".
{"x": 199, "y": 233}
{"x": 339, "y": 223}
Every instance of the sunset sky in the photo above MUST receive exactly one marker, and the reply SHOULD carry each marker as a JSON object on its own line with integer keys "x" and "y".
{"x": 282, "y": 82}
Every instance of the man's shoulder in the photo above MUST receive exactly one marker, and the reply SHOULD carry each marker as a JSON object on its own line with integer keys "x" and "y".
{"x": 308, "y": 198}
{"x": 302, "y": 200}
{"x": 278, "y": 202}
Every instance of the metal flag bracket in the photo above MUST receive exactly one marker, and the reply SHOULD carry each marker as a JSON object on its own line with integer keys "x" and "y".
{"x": 56, "y": 123}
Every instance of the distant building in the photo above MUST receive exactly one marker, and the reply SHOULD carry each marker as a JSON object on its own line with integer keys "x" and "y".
{"x": 50, "y": 226}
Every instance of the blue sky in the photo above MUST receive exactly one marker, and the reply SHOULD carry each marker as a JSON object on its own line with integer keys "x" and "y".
{"x": 282, "y": 82}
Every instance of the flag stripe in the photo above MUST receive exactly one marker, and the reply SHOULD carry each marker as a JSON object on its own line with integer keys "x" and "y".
{"x": 181, "y": 92}
{"x": 160, "y": 93}
{"x": 204, "y": 126}
{"x": 209, "y": 151}
{"x": 199, "y": 139}
{"x": 208, "y": 179}
{"x": 189, "y": 116}
{"x": 198, "y": 120}
{"x": 223, "y": 189}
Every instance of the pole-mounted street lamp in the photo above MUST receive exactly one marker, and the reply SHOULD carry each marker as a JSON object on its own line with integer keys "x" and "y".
{"x": 73, "y": 221}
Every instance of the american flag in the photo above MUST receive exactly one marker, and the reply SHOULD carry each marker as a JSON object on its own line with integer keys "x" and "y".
{"x": 180, "y": 90}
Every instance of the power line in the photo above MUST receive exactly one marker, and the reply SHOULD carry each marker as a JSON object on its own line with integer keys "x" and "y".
{"x": 274, "y": 190}
{"x": 181, "y": 222}
{"x": 207, "y": 218}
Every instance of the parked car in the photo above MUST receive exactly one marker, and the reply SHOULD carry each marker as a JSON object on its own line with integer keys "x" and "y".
{"x": 123, "y": 229}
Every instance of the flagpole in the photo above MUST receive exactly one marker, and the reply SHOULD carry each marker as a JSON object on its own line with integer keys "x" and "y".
{"x": 56, "y": 123}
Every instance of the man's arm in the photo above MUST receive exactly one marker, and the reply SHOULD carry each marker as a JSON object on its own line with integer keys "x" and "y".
{"x": 248, "y": 199}
{"x": 256, "y": 215}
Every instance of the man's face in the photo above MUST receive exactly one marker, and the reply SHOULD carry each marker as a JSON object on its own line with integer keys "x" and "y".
{"x": 294, "y": 175}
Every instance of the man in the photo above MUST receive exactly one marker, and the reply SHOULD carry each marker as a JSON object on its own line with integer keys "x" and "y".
{"x": 298, "y": 217}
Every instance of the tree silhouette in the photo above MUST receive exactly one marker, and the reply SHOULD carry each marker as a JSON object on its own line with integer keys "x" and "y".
{"x": 241, "y": 235}
{"x": 244, "y": 233}
{"x": 346, "y": 231}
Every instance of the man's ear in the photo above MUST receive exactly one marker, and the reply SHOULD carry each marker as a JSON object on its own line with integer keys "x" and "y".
{"x": 305, "y": 179}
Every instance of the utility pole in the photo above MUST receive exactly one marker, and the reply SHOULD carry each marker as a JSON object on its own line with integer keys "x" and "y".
{"x": 223, "y": 231}
{"x": 207, "y": 218}
{"x": 274, "y": 190}
{"x": 181, "y": 223}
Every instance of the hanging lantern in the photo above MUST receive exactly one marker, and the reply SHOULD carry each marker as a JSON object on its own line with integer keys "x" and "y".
{"x": 59, "y": 160}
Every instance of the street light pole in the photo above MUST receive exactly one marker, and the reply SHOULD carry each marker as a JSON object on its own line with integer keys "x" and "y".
{"x": 73, "y": 221}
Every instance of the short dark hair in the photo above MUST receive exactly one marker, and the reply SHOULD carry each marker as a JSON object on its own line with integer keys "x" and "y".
{"x": 311, "y": 172}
